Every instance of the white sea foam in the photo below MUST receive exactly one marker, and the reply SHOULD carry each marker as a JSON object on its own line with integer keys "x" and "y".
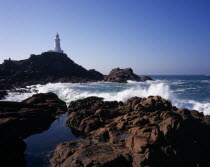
{"x": 205, "y": 81}
{"x": 15, "y": 96}
{"x": 130, "y": 81}
{"x": 69, "y": 92}
{"x": 185, "y": 89}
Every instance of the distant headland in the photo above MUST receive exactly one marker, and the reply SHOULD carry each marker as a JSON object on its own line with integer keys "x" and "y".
{"x": 55, "y": 66}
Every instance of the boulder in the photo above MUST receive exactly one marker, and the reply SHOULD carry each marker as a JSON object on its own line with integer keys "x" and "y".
{"x": 121, "y": 75}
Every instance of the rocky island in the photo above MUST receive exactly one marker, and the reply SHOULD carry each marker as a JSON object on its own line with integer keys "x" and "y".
{"x": 123, "y": 75}
{"x": 44, "y": 68}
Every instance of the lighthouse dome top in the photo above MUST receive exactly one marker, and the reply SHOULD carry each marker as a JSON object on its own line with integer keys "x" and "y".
{"x": 57, "y": 35}
{"x": 57, "y": 47}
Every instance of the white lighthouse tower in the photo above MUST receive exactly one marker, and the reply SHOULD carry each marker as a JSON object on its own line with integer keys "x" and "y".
{"x": 57, "y": 47}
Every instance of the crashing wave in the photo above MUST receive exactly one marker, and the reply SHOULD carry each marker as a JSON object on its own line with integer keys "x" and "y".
{"x": 69, "y": 92}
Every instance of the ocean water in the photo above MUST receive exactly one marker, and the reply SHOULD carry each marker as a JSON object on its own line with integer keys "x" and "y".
{"x": 40, "y": 146}
{"x": 192, "y": 92}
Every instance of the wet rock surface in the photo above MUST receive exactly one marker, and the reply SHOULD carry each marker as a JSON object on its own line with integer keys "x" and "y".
{"x": 142, "y": 132}
{"x": 19, "y": 120}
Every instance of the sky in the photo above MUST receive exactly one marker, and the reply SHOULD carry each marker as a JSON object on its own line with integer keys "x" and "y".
{"x": 150, "y": 36}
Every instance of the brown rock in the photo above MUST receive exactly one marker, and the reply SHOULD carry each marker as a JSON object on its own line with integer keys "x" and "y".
{"x": 93, "y": 154}
{"x": 121, "y": 75}
{"x": 142, "y": 132}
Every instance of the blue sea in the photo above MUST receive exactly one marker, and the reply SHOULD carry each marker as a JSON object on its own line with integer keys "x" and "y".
{"x": 188, "y": 91}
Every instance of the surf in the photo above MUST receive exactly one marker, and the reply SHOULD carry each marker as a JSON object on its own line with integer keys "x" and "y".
{"x": 112, "y": 91}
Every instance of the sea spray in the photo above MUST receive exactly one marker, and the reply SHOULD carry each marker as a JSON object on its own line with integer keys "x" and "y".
{"x": 114, "y": 91}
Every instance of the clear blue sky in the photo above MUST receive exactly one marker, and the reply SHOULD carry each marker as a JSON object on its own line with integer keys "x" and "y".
{"x": 151, "y": 36}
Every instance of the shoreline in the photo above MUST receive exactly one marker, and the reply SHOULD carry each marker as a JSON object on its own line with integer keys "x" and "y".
{"x": 206, "y": 117}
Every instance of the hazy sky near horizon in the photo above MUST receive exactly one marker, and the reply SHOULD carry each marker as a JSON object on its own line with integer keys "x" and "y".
{"x": 150, "y": 36}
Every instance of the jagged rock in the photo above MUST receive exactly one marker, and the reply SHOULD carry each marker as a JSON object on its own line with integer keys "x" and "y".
{"x": 19, "y": 120}
{"x": 84, "y": 114}
{"x": 44, "y": 68}
{"x": 142, "y": 132}
{"x": 121, "y": 75}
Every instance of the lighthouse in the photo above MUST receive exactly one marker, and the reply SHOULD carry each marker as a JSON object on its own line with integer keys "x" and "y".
{"x": 57, "y": 47}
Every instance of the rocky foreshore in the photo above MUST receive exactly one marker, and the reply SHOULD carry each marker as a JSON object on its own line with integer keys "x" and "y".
{"x": 142, "y": 132}
{"x": 19, "y": 120}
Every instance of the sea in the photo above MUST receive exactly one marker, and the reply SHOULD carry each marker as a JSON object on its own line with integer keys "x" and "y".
{"x": 184, "y": 91}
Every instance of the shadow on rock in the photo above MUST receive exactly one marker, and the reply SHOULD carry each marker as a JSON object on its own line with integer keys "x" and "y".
{"x": 19, "y": 120}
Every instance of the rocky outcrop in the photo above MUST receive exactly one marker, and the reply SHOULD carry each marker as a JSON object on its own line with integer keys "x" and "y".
{"x": 121, "y": 75}
{"x": 19, "y": 120}
{"x": 147, "y": 78}
{"x": 44, "y": 68}
{"x": 142, "y": 132}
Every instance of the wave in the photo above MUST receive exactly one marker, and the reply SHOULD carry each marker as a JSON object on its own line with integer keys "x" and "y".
{"x": 120, "y": 92}
{"x": 185, "y": 89}
{"x": 131, "y": 81}
{"x": 205, "y": 81}
{"x": 16, "y": 96}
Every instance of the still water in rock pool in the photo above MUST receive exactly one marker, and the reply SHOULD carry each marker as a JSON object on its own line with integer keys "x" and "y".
{"x": 40, "y": 147}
